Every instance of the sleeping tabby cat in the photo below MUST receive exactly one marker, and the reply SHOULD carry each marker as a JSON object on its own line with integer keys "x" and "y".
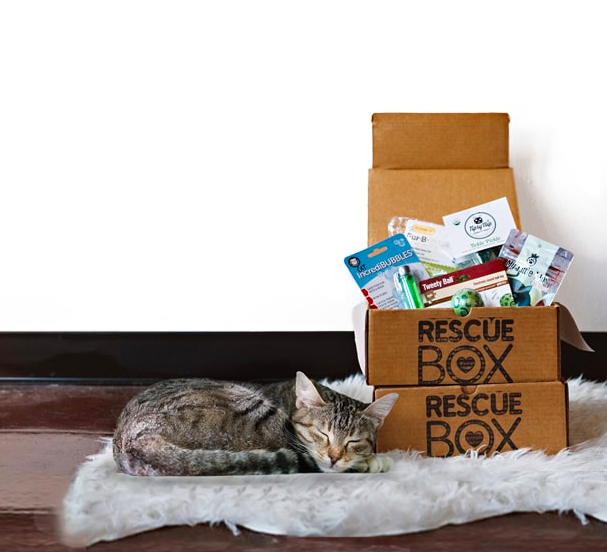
{"x": 211, "y": 427}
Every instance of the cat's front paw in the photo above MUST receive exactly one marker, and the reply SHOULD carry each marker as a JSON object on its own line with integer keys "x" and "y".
{"x": 376, "y": 464}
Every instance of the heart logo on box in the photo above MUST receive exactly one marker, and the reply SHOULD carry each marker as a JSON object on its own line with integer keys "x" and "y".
{"x": 474, "y": 438}
{"x": 465, "y": 364}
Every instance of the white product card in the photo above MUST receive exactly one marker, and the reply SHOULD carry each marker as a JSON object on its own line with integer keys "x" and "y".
{"x": 480, "y": 227}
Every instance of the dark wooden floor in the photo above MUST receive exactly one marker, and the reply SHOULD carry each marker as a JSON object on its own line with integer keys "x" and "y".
{"x": 46, "y": 431}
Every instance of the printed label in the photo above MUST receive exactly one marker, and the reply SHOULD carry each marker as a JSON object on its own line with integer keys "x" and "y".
{"x": 488, "y": 279}
{"x": 465, "y": 350}
{"x": 496, "y": 417}
{"x": 481, "y": 227}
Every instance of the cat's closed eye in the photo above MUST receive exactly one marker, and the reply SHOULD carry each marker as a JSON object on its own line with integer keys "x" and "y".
{"x": 357, "y": 446}
{"x": 324, "y": 437}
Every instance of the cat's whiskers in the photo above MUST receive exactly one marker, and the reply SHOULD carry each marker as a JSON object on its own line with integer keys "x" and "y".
{"x": 295, "y": 443}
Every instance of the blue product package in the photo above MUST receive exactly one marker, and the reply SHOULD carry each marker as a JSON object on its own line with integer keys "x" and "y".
{"x": 387, "y": 273}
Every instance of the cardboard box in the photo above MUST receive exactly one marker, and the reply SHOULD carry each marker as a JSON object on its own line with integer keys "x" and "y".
{"x": 451, "y": 420}
{"x": 440, "y": 140}
{"x": 432, "y": 346}
{"x": 491, "y": 345}
{"x": 504, "y": 361}
{"x": 429, "y": 194}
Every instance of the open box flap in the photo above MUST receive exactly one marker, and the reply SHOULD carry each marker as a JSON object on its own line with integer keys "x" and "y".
{"x": 440, "y": 140}
{"x": 569, "y": 332}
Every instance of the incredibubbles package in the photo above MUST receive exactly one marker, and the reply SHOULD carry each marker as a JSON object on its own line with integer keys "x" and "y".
{"x": 388, "y": 274}
{"x": 535, "y": 268}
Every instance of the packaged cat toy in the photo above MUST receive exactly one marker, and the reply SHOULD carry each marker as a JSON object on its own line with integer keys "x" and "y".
{"x": 488, "y": 280}
{"x": 535, "y": 268}
{"x": 388, "y": 274}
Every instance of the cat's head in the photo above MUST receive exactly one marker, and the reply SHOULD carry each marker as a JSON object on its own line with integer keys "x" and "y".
{"x": 337, "y": 431}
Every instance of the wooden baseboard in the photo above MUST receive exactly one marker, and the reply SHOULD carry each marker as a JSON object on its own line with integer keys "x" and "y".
{"x": 140, "y": 357}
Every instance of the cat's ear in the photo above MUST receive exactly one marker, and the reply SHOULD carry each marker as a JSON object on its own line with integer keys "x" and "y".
{"x": 379, "y": 409}
{"x": 306, "y": 393}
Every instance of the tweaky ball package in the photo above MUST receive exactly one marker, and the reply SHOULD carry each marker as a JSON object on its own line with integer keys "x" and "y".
{"x": 388, "y": 274}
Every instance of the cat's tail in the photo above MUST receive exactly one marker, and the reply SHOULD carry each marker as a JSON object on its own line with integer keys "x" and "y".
{"x": 155, "y": 456}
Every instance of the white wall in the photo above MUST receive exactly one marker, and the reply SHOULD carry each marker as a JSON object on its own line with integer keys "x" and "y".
{"x": 203, "y": 165}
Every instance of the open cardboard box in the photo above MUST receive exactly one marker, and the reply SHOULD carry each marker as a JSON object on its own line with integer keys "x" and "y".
{"x": 436, "y": 347}
{"x": 426, "y": 166}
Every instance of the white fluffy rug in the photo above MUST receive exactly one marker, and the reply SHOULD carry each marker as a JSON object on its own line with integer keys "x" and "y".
{"x": 418, "y": 494}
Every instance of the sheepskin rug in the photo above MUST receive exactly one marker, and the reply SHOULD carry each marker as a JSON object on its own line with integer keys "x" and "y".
{"x": 417, "y": 494}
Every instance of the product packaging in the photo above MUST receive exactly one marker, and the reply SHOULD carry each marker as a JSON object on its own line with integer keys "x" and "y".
{"x": 488, "y": 279}
{"x": 387, "y": 274}
{"x": 534, "y": 267}
{"x": 479, "y": 228}
{"x": 429, "y": 241}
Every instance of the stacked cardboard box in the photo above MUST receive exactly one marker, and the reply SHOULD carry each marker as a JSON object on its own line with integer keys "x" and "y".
{"x": 488, "y": 382}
